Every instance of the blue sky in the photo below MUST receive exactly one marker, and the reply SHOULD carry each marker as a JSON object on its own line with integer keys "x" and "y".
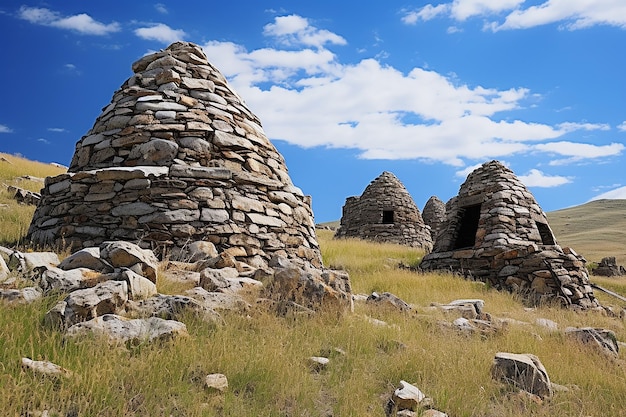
{"x": 347, "y": 90}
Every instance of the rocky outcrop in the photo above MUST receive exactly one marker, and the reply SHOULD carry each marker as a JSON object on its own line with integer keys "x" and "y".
{"x": 385, "y": 212}
{"x": 496, "y": 232}
{"x": 608, "y": 267}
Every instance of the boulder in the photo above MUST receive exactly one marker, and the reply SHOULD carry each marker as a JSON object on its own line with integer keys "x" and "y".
{"x": 524, "y": 371}
{"x": 51, "y": 279}
{"x": 81, "y": 305}
{"x": 125, "y": 254}
{"x": 118, "y": 329}
{"x": 173, "y": 307}
{"x": 603, "y": 339}
{"x": 218, "y": 300}
{"x": 86, "y": 258}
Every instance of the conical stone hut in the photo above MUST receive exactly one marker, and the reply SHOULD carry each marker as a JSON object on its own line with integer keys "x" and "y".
{"x": 385, "y": 212}
{"x": 434, "y": 214}
{"x": 178, "y": 158}
{"x": 496, "y": 232}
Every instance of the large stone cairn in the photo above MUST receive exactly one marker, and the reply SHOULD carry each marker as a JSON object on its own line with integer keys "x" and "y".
{"x": 434, "y": 214}
{"x": 496, "y": 232}
{"x": 176, "y": 158}
{"x": 385, "y": 212}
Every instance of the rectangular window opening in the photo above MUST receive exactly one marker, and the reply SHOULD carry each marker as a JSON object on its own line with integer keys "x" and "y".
{"x": 547, "y": 238}
{"x": 387, "y": 216}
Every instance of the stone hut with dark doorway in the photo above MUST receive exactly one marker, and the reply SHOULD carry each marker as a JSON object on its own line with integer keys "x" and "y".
{"x": 385, "y": 212}
{"x": 496, "y": 232}
{"x": 175, "y": 159}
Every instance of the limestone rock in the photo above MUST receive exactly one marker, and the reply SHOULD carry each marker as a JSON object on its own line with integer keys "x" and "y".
{"x": 86, "y": 258}
{"x": 173, "y": 307}
{"x": 128, "y": 255}
{"x": 21, "y": 296}
{"x": 218, "y": 382}
{"x": 118, "y": 329}
{"x": 51, "y": 279}
{"x": 27, "y": 261}
{"x": 45, "y": 368}
{"x": 228, "y": 280}
{"x": 603, "y": 339}
{"x": 388, "y": 299}
{"x": 219, "y": 300}
{"x": 525, "y": 371}
{"x": 81, "y": 305}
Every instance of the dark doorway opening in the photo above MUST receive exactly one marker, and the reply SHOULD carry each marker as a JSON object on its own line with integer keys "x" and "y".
{"x": 547, "y": 238}
{"x": 467, "y": 227}
{"x": 387, "y": 216}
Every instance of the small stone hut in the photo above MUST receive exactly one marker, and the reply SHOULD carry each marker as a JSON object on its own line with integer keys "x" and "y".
{"x": 434, "y": 214}
{"x": 496, "y": 232}
{"x": 385, "y": 212}
{"x": 176, "y": 158}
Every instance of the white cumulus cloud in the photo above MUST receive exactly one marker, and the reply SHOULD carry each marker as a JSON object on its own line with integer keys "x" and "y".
{"x": 569, "y": 14}
{"x": 5, "y": 129}
{"x": 536, "y": 178}
{"x": 161, "y": 32}
{"x": 307, "y": 97}
{"x": 81, "y": 23}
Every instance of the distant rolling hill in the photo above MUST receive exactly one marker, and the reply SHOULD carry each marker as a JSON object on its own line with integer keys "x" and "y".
{"x": 594, "y": 230}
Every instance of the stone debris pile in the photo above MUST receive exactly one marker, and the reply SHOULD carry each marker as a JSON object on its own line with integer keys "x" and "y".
{"x": 385, "y": 212}
{"x": 177, "y": 158}
{"x": 496, "y": 232}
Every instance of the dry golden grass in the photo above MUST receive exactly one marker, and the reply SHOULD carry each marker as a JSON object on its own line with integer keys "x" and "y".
{"x": 595, "y": 230}
{"x": 265, "y": 357}
{"x": 15, "y": 218}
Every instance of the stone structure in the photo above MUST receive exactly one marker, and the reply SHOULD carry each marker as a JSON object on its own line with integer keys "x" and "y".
{"x": 608, "y": 267}
{"x": 176, "y": 158}
{"x": 496, "y": 232}
{"x": 434, "y": 214}
{"x": 385, "y": 212}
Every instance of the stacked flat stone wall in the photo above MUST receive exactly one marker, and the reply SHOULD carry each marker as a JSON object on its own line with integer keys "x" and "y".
{"x": 434, "y": 214}
{"x": 496, "y": 232}
{"x": 385, "y": 212}
{"x": 177, "y": 157}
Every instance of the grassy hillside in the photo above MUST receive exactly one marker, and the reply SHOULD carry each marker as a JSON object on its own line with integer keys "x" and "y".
{"x": 595, "y": 230}
{"x": 23, "y": 173}
{"x": 265, "y": 357}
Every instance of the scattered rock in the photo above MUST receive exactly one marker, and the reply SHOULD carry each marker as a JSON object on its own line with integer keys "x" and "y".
{"x": 388, "y": 299}
{"x": 524, "y": 371}
{"x": 118, "y": 329}
{"x": 217, "y": 382}
{"x": 603, "y": 339}
{"x": 45, "y": 368}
